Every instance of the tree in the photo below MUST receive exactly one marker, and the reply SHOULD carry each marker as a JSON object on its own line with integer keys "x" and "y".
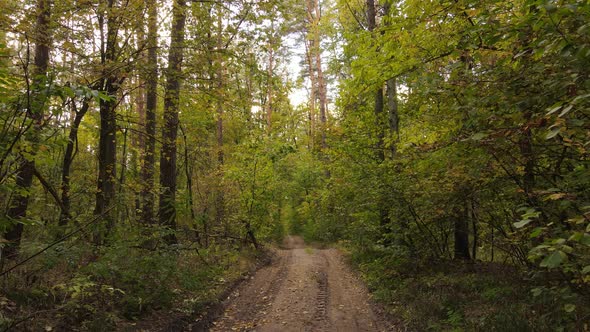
{"x": 110, "y": 83}
{"x": 220, "y": 79}
{"x": 68, "y": 159}
{"x": 148, "y": 167}
{"x": 313, "y": 54}
{"x": 167, "y": 209}
{"x": 36, "y": 104}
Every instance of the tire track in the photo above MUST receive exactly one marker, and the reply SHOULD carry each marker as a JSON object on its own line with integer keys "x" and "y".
{"x": 304, "y": 290}
{"x": 321, "y": 306}
{"x": 320, "y": 320}
{"x": 247, "y": 305}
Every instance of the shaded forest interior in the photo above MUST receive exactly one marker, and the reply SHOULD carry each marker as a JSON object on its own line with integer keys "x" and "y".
{"x": 151, "y": 152}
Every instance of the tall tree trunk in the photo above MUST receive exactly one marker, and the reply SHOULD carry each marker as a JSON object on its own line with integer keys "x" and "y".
{"x": 220, "y": 199}
{"x": 321, "y": 82}
{"x": 378, "y": 108}
{"x": 138, "y": 136}
{"x": 270, "y": 74}
{"x": 384, "y": 220}
{"x": 71, "y": 149}
{"x": 167, "y": 209}
{"x": 318, "y": 90}
{"x": 323, "y": 102}
{"x": 36, "y": 104}
{"x": 123, "y": 176}
{"x": 312, "y": 96}
{"x": 147, "y": 170}
{"x": 107, "y": 144}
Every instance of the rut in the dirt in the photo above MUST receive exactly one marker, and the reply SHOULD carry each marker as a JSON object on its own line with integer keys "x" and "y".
{"x": 304, "y": 289}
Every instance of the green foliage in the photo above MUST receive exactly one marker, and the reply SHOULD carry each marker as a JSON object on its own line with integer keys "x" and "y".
{"x": 492, "y": 99}
{"x": 491, "y": 147}
{"x": 144, "y": 278}
{"x": 447, "y": 296}
{"x": 124, "y": 281}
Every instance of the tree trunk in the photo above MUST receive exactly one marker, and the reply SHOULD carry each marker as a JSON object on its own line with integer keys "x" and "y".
{"x": 323, "y": 101}
{"x": 270, "y": 74}
{"x": 18, "y": 208}
{"x": 475, "y": 233}
{"x": 371, "y": 15}
{"x": 392, "y": 104}
{"x": 167, "y": 209}
{"x": 189, "y": 183}
{"x": 71, "y": 149}
{"x": 461, "y": 235}
{"x": 220, "y": 199}
{"x": 35, "y": 108}
{"x": 147, "y": 170}
{"x": 107, "y": 157}
{"x": 107, "y": 144}
{"x": 251, "y": 236}
{"x": 392, "y": 111}
{"x": 312, "y": 97}
{"x": 123, "y": 176}
{"x": 492, "y": 246}
{"x": 378, "y": 111}
{"x": 321, "y": 83}
{"x": 378, "y": 108}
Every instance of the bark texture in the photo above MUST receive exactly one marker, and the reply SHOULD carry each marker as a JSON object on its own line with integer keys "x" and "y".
{"x": 167, "y": 211}
{"x": 148, "y": 167}
{"x": 37, "y": 97}
{"x": 107, "y": 145}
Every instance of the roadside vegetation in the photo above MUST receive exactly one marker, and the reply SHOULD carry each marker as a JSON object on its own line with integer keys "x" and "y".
{"x": 150, "y": 152}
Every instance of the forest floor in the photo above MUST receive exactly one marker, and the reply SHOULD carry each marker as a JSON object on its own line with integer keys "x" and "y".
{"x": 303, "y": 289}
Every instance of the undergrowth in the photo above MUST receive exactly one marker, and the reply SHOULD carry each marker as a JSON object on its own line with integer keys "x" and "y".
{"x": 460, "y": 296}
{"x": 89, "y": 288}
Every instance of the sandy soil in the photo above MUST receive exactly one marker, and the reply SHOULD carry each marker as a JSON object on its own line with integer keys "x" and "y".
{"x": 303, "y": 289}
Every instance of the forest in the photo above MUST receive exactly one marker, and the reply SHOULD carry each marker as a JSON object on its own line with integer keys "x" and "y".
{"x": 154, "y": 153}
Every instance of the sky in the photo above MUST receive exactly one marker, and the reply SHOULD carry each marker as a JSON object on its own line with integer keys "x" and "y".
{"x": 298, "y": 95}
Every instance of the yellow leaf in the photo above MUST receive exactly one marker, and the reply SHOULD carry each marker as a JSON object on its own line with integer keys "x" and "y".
{"x": 557, "y": 196}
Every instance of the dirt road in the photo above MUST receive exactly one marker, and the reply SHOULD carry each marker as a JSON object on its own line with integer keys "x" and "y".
{"x": 303, "y": 289}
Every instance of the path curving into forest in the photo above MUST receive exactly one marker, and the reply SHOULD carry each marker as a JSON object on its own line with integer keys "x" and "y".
{"x": 303, "y": 289}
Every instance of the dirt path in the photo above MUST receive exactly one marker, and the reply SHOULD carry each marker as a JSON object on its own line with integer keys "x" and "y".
{"x": 303, "y": 289}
